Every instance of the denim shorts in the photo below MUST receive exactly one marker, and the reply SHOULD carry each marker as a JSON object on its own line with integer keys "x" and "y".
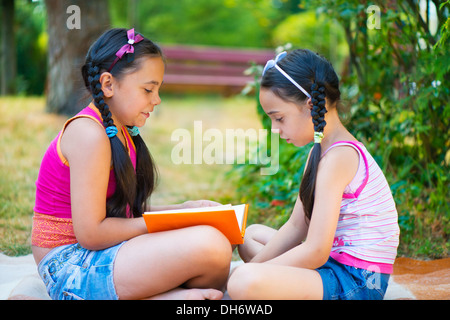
{"x": 342, "y": 282}
{"x": 71, "y": 272}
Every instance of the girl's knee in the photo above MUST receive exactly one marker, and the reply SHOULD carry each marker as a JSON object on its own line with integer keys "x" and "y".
{"x": 256, "y": 237}
{"x": 212, "y": 245}
{"x": 211, "y": 236}
{"x": 251, "y": 230}
{"x": 244, "y": 281}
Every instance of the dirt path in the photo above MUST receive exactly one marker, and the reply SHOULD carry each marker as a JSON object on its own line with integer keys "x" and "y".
{"x": 427, "y": 280}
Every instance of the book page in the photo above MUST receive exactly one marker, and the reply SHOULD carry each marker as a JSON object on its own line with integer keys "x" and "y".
{"x": 240, "y": 211}
{"x": 200, "y": 209}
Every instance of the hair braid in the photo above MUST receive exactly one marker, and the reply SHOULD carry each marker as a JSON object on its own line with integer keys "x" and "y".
{"x": 120, "y": 159}
{"x": 308, "y": 184}
{"x": 146, "y": 176}
{"x": 318, "y": 111}
{"x": 97, "y": 93}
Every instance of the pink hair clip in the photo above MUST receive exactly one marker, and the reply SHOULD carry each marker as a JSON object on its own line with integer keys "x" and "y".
{"x": 127, "y": 48}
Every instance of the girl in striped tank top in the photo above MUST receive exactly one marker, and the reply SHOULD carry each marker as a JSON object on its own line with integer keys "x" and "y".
{"x": 342, "y": 237}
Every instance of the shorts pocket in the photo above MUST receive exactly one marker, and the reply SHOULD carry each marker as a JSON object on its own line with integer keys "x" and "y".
{"x": 46, "y": 278}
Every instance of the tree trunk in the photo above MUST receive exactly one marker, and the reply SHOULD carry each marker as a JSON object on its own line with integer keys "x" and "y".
{"x": 72, "y": 27}
{"x": 8, "y": 65}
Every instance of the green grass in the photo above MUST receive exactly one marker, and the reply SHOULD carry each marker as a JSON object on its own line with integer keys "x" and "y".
{"x": 26, "y": 130}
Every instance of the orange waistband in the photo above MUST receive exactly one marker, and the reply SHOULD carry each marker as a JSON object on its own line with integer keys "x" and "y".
{"x": 50, "y": 232}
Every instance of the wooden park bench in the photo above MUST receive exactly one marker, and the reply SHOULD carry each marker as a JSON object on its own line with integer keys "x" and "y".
{"x": 210, "y": 69}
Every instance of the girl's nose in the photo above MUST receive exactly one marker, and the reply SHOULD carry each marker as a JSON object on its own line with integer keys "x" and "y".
{"x": 156, "y": 99}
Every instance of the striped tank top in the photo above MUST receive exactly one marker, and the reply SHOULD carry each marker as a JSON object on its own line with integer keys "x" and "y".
{"x": 367, "y": 233}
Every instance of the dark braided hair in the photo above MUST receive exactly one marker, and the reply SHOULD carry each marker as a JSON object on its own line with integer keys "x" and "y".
{"x": 309, "y": 70}
{"x": 132, "y": 188}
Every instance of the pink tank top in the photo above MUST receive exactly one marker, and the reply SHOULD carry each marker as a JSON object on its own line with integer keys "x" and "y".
{"x": 52, "y": 224}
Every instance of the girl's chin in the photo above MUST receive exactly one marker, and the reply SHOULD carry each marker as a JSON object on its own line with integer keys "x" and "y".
{"x": 297, "y": 144}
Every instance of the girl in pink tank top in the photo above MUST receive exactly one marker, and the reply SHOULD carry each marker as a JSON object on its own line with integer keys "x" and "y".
{"x": 94, "y": 184}
{"x": 341, "y": 240}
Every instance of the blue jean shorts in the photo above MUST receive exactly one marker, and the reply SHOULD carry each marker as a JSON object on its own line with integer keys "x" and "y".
{"x": 71, "y": 272}
{"x": 342, "y": 282}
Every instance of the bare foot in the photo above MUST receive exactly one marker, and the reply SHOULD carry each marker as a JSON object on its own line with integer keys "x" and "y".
{"x": 189, "y": 294}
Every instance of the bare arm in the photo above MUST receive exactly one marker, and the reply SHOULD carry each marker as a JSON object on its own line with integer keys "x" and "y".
{"x": 291, "y": 234}
{"x": 336, "y": 170}
{"x": 88, "y": 152}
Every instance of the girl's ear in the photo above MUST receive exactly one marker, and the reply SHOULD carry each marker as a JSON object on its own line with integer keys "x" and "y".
{"x": 309, "y": 103}
{"x": 107, "y": 80}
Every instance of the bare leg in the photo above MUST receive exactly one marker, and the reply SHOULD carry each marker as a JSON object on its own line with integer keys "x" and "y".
{"x": 270, "y": 281}
{"x": 164, "y": 265}
{"x": 256, "y": 237}
{"x": 189, "y": 294}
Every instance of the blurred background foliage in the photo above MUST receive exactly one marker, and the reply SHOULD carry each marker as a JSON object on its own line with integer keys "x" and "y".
{"x": 31, "y": 47}
{"x": 229, "y": 23}
{"x": 395, "y": 80}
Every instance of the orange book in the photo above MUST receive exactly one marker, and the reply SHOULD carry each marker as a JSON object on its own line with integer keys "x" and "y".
{"x": 230, "y": 220}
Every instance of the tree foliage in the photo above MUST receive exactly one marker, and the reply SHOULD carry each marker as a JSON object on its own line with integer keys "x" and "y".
{"x": 206, "y": 22}
{"x": 231, "y": 23}
{"x": 29, "y": 48}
